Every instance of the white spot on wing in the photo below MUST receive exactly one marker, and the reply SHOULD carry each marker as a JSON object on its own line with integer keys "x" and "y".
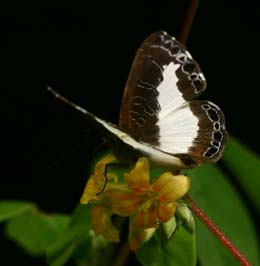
{"x": 178, "y": 126}
{"x": 169, "y": 97}
{"x": 178, "y": 130}
{"x": 202, "y": 76}
{"x": 188, "y": 54}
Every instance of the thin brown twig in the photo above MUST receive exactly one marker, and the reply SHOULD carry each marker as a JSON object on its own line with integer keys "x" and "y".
{"x": 187, "y": 22}
{"x": 217, "y": 232}
{"x": 121, "y": 250}
{"x": 124, "y": 255}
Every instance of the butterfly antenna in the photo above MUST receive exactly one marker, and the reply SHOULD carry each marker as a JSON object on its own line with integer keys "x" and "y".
{"x": 87, "y": 130}
{"x": 117, "y": 165}
{"x": 66, "y": 154}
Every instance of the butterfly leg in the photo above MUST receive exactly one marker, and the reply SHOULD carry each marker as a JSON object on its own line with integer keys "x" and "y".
{"x": 111, "y": 165}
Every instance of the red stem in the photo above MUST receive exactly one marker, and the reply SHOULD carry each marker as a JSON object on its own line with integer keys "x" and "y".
{"x": 217, "y": 232}
{"x": 187, "y": 22}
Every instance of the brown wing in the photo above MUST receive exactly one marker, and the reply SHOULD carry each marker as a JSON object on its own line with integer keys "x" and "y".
{"x": 212, "y": 134}
{"x": 140, "y": 105}
{"x": 157, "y": 108}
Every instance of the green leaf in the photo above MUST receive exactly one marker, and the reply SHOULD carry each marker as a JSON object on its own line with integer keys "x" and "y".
{"x": 62, "y": 249}
{"x": 245, "y": 165}
{"x": 52, "y": 227}
{"x": 213, "y": 192}
{"x": 81, "y": 218}
{"x": 12, "y": 208}
{"x": 92, "y": 251}
{"x": 180, "y": 250}
{"x": 34, "y": 231}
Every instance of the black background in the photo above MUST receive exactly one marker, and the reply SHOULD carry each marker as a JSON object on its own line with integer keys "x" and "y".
{"x": 85, "y": 52}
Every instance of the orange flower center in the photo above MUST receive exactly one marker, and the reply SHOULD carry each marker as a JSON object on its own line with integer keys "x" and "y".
{"x": 149, "y": 199}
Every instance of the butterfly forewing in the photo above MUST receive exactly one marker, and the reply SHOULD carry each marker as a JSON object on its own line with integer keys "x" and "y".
{"x": 157, "y": 108}
{"x": 163, "y": 76}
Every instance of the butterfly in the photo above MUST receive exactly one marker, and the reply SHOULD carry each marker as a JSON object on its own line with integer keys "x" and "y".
{"x": 159, "y": 118}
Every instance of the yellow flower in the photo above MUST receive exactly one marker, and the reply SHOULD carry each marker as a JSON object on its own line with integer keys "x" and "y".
{"x": 96, "y": 181}
{"x": 100, "y": 214}
{"x": 147, "y": 203}
{"x": 102, "y": 224}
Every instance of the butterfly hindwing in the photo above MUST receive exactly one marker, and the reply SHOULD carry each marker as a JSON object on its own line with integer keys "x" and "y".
{"x": 195, "y": 131}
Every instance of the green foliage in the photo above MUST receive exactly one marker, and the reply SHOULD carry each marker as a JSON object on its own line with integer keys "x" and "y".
{"x": 244, "y": 164}
{"x": 35, "y": 231}
{"x": 78, "y": 230}
{"x": 63, "y": 237}
{"x": 179, "y": 251}
{"x": 12, "y": 208}
{"x": 214, "y": 193}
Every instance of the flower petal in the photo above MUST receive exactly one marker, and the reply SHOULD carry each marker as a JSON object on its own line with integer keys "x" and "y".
{"x": 161, "y": 181}
{"x": 170, "y": 188}
{"x": 166, "y": 211}
{"x": 139, "y": 178}
{"x": 146, "y": 218}
{"x": 137, "y": 235}
{"x": 91, "y": 189}
{"x": 100, "y": 166}
{"x": 97, "y": 180}
{"x": 124, "y": 202}
{"x": 102, "y": 224}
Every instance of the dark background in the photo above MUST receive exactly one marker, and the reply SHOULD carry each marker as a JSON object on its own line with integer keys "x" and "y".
{"x": 85, "y": 52}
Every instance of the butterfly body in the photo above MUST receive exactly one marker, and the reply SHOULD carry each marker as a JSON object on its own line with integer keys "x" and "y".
{"x": 159, "y": 118}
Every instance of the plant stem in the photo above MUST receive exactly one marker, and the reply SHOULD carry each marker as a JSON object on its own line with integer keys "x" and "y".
{"x": 187, "y": 23}
{"x": 124, "y": 252}
{"x": 217, "y": 232}
{"x": 121, "y": 252}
